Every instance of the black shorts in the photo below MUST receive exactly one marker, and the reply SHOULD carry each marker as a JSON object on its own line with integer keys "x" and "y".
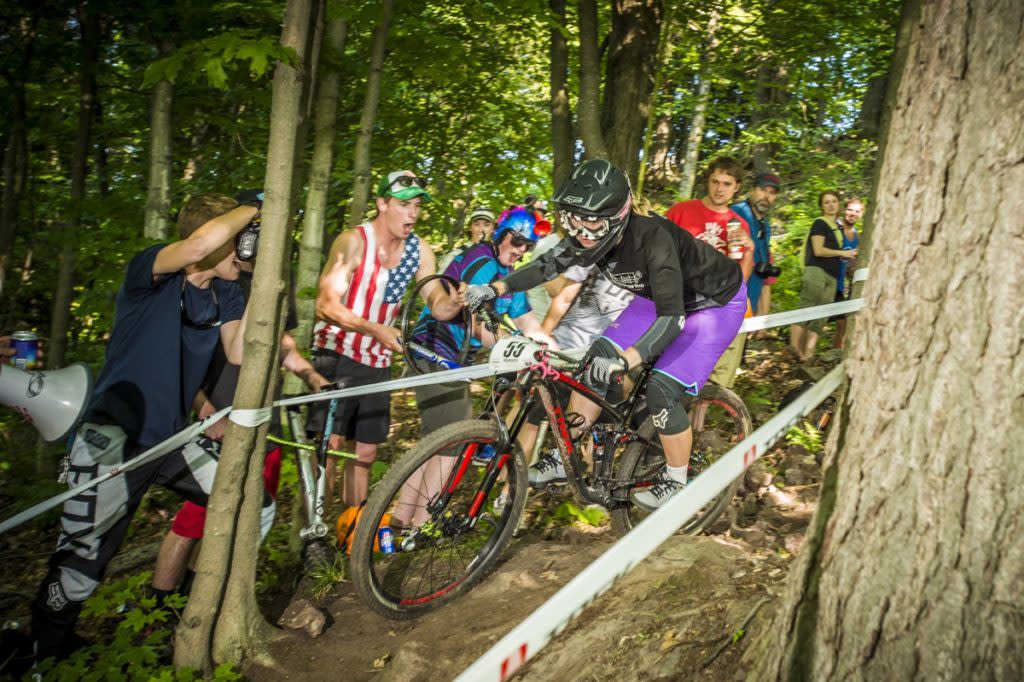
{"x": 839, "y": 299}
{"x": 366, "y": 418}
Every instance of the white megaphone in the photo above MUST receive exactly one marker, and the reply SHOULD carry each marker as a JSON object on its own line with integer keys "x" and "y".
{"x": 53, "y": 400}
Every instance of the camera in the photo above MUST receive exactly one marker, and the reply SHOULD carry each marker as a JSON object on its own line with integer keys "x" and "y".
{"x": 767, "y": 270}
{"x": 247, "y": 241}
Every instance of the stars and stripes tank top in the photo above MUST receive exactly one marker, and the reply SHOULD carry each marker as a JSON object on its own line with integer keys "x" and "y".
{"x": 374, "y": 294}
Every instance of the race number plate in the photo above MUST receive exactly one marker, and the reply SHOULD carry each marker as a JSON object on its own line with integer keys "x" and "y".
{"x": 513, "y": 353}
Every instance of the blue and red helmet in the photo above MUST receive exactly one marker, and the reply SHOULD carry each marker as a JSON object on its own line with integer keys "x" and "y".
{"x": 525, "y": 222}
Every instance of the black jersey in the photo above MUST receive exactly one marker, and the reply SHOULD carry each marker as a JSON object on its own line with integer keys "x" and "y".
{"x": 655, "y": 259}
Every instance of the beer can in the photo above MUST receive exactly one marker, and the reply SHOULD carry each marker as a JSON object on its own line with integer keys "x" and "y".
{"x": 385, "y": 540}
{"x": 26, "y": 350}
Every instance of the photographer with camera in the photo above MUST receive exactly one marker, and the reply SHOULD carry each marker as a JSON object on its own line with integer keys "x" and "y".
{"x": 177, "y": 302}
{"x": 755, "y": 209}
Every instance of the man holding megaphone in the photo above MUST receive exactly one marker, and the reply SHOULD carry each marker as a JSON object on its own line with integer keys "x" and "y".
{"x": 176, "y": 303}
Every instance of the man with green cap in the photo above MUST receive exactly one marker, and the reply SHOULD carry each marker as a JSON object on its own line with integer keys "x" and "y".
{"x": 367, "y": 272}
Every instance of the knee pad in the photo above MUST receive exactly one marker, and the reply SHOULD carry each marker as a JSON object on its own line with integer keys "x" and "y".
{"x": 664, "y": 400}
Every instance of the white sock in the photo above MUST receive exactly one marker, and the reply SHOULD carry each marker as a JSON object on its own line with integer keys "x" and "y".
{"x": 677, "y": 473}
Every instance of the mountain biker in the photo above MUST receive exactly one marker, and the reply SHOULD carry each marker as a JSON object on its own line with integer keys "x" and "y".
{"x": 517, "y": 231}
{"x": 689, "y": 305}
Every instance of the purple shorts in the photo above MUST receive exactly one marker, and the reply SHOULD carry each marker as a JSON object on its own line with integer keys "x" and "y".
{"x": 692, "y": 357}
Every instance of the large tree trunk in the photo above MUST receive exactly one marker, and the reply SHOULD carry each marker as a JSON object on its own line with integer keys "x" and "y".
{"x": 59, "y": 322}
{"x": 222, "y": 622}
{"x": 691, "y": 156}
{"x": 157, "y": 222}
{"x": 651, "y": 130}
{"x": 770, "y": 95}
{"x": 315, "y": 220}
{"x": 589, "y": 105}
{"x": 914, "y": 566}
{"x": 361, "y": 156}
{"x": 629, "y": 79}
{"x": 561, "y": 114}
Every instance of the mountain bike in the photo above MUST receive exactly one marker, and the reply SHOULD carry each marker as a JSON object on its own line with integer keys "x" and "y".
{"x": 465, "y": 510}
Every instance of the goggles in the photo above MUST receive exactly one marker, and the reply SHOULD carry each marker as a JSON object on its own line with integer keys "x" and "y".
{"x": 590, "y": 227}
{"x": 403, "y": 181}
{"x": 519, "y": 241}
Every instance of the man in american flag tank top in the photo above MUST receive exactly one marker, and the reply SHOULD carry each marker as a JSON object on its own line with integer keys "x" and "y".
{"x": 367, "y": 272}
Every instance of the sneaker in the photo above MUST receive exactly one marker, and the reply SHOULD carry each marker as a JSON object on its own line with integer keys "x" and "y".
{"x": 500, "y": 502}
{"x": 656, "y": 495}
{"x": 484, "y": 455}
{"x": 547, "y": 469}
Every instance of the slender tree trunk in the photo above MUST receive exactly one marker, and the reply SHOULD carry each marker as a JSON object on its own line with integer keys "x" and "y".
{"x": 665, "y": 42}
{"x": 222, "y": 622}
{"x": 661, "y": 144}
{"x": 913, "y": 566}
{"x": 16, "y": 153}
{"x": 688, "y": 173}
{"x": 158, "y": 196}
{"x": 15, "y": 172}
{"x": 589, "y": 106}
{"x": 315, "y": 220}
{"x": 561, "y": 115}
{"x": 629, "y": 79}
{"x": 60, "y": 319}
{"x": 361, "y": 157}
{"x": 769, "y": 95}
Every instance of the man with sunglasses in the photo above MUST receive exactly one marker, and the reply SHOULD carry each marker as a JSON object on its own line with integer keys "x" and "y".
{"x": 689, "y": 304}
{"x": 367, "y": 272}
{"x": 176, "y": 303}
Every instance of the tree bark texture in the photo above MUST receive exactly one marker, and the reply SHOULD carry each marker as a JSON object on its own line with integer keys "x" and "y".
{"x": 770, "y": 94}
{"x": 315, "y": 216}
{"x": 561, "y": 114}
{"x": 914, "y": 568}
{"x": 629, "y": 79}
{"x": 691, "y": 155}
{"x": 651, "y": 131}
{"x": 61, "y": 316}
{"x": 222, "y": 622}
{"x": 361, "y": 156}
{"x": 589, "y": 105}
{"x": 158, "y": 195}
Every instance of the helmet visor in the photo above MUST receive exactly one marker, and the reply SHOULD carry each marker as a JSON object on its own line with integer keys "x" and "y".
{"x": 590, "y": 227}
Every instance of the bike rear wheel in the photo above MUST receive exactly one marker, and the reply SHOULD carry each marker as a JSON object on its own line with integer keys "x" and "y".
{"x": 720, "y": 420}
{"x": 445, "y": 556}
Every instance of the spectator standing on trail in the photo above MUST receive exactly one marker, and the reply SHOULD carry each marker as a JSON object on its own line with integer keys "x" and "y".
{"x": 852, "y": 212}
{"x": 823, "y": 255}
{"x": 754, "y": 210}
{"x": 368, "y": 270}
{"x": 176, "y": 302}
{"x": 218, "y": 391}
{"x": 481, "y": 226}
{"x": 707, "y": 219}
{"x": 689, "y": 304}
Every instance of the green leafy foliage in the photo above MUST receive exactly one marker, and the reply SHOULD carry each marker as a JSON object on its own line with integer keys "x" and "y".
{"x": 568, "y": 512}
{"x": 808, "y": 436}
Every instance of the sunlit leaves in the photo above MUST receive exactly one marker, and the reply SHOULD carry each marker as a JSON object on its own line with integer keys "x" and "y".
{"x": 211, "y": 58}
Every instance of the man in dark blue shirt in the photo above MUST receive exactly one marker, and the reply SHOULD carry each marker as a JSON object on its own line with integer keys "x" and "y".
{"x": 176, "y": 302}
{"x": 755, "y": 209}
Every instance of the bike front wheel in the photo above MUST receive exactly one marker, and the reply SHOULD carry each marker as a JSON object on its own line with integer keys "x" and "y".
{"x": 460, "y": 515}
{"x": 720, "y": 420}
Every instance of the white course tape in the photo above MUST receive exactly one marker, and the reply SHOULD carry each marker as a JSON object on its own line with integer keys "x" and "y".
{"x": 860, "y": 274}
{"x": 251, "y": 418}
{"x": 172, "y": 443}
{"x": 530, "y": 636}
{"x": 801, "y": 315}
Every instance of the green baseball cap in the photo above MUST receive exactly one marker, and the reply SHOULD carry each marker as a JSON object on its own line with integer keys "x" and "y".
{"x": 402, "y": 185}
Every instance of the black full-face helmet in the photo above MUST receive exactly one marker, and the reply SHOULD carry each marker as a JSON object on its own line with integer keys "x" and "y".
{"x": 594, "y": 203}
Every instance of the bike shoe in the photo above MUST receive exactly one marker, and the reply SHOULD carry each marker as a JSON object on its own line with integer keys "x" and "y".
{"x": 656, "y": 495}
{"x": 484, "y": 455}
{"x": 547, "y": 469}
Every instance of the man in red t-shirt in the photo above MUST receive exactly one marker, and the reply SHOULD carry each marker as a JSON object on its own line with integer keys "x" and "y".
{"x": 707, "y": 219}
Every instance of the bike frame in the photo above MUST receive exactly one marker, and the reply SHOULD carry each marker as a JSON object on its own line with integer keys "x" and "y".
{"x": 541, "y": 380}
